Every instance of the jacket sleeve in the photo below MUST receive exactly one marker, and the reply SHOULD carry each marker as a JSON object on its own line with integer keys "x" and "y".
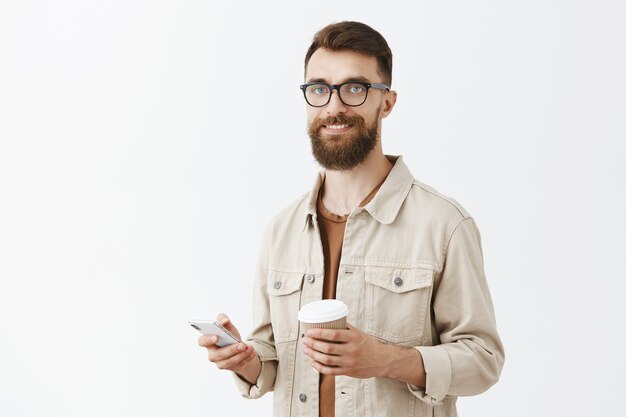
{"x": 470, "y": 355}
{"x": 261, "y": 337}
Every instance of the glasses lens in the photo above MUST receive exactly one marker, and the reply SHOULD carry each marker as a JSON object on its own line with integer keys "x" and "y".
{"x": 317, "y": 94}
{"x": 353, "y": 94}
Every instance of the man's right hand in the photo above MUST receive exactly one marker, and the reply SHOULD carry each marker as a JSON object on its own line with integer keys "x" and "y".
{"x": 238, "y": 357}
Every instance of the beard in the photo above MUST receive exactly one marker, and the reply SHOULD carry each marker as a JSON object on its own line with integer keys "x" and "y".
{"x": 342, "y": 152}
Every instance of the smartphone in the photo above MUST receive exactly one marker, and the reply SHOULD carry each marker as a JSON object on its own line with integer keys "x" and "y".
{"x": 211, "y": 327}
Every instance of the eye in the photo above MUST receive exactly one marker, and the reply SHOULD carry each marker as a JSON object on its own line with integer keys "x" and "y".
{"x": 355, "y": 89}
{"x": 318, "y": 89}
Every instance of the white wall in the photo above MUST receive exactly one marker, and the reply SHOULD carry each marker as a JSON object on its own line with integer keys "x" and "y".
{"x": 137, "y": 170}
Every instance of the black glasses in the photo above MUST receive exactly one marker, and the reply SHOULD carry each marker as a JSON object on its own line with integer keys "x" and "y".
{"x": 352, "y": 93}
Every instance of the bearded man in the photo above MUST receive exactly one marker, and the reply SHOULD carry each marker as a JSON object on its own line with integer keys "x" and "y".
{"x": 406, "y": 260}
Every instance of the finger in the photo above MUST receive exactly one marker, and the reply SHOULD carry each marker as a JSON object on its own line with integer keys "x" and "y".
{"x": 226, "y": 352}
{"x": 244, "y": 362}
{"x": 327, "y": 370}
{"x": 333, "y": 335}
{"x": 230, "y": 362}
{"x": 327, "y": 360}
{"x": 325, "y": 347}
{"x": 234, "y": 362}
{"x": 223, "y": 319}
{"x": 247, "y": 352}
{"x": 208, "y": 340}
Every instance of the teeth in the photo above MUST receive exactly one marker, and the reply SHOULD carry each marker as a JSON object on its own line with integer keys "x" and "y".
{"x": 337, "y": 126}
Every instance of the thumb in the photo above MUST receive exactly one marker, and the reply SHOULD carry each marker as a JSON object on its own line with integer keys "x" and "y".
{"x": 224, "y": 320}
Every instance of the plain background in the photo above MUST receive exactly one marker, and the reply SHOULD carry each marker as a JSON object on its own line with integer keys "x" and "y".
{"x": 146, "y": 144}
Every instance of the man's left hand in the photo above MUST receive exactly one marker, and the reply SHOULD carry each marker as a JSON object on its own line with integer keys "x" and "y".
{"x": 348, "y": 352}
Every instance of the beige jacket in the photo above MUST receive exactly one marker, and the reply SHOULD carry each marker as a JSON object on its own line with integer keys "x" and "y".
{"x": 441, "y": 304}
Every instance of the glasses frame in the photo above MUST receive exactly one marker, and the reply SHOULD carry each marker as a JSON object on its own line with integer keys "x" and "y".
{"x": 378, "y": 86}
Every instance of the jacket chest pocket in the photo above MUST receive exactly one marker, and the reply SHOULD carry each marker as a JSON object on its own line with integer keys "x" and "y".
{"x": 284, "y": 290}
{"x": 397, "y": 301}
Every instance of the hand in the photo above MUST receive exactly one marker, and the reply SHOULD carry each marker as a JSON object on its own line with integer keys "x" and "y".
{"x": 237, "y": 357}
{"x": 348, "y": 352}
{"x": 355, "y": 353}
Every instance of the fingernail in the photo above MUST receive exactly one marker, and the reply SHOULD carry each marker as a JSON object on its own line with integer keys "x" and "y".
{"x": 241, "y": 348}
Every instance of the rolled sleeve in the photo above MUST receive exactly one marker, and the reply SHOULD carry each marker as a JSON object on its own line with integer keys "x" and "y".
{"x": 438, "y": 375}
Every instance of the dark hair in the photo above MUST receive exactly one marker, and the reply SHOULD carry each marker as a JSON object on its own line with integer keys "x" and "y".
{"x": 354, "y": 36}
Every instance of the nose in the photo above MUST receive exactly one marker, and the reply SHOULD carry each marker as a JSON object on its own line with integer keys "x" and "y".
{"x": 335, "y": 106}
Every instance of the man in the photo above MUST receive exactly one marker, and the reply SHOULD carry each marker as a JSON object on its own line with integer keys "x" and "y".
{"x": 406, "y": 260}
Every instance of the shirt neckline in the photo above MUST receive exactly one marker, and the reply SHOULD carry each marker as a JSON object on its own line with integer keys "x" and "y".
{"x": 337, "y": 218}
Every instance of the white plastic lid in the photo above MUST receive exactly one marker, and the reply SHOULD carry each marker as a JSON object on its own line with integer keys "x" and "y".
{"x": 322, "y": 311}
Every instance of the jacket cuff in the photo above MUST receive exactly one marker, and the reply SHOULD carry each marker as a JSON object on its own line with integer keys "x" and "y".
{"x": 265, "y": 381}
{"x": 438, "y": 375}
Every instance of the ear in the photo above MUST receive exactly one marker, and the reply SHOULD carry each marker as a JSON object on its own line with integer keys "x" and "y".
{"x": 389, "y": 101}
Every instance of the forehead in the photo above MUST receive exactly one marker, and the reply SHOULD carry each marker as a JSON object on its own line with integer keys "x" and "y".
{"x": 338, "y": 66}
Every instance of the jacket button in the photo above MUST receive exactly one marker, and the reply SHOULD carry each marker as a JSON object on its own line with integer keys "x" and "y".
{"x": 302, "y": 398}
{"x": 277, "y": 285}
{"x": 310, "y": 278}
{"x": 397, "y": 281}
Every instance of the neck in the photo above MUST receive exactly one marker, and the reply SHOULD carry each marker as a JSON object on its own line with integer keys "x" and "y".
{"x": 344, "y": 190}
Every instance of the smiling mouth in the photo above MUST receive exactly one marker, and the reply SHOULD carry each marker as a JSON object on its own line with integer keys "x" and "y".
{"x": 337, "y": 127}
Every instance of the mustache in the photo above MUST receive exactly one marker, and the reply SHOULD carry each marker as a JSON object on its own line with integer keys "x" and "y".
{"x": 353, "y": 120}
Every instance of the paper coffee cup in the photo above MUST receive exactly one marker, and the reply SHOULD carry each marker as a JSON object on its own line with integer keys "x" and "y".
{"x": 323, "y": 314}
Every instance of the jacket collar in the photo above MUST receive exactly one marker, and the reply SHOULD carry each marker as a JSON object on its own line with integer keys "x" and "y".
{"x": 385, "y": 205}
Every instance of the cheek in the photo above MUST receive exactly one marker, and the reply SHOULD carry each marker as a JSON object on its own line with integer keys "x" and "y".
{"x": 311, "y": 114}
{"x": 369, "y": 117}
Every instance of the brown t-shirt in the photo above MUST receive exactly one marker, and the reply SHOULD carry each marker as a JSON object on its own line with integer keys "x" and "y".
{"x": 332, "y": 227}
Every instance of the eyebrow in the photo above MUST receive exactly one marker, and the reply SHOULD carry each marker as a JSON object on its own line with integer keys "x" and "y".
{"x": 347, "y": 80}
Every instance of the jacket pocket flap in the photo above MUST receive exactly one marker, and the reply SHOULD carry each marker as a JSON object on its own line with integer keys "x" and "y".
{"x": 284, "y": 283}
{"x": 399, "y": 280}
